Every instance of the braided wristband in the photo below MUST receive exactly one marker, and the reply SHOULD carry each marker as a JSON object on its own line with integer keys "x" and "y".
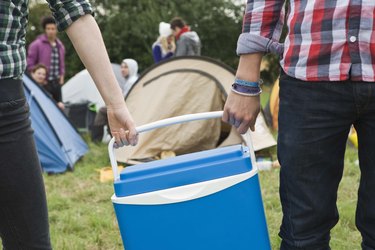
{"x": 247, "y": 91}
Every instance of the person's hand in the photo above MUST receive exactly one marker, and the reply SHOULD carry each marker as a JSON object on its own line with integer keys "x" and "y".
{"x": 241, "y": 111}
{"x": 61, "y": 105}
{"x": 172, "y": 47}
{"x": 122, "y": 125}
{"x": 61, "y": 80}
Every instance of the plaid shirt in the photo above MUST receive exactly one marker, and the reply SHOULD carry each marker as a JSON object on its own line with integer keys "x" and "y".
{"x": 13, "y": 22}
{"x": 327, "y": 40}
{"x": 54, "y": 71}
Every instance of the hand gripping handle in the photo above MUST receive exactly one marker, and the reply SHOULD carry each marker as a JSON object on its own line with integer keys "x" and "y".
{"x": 173, "y": 121}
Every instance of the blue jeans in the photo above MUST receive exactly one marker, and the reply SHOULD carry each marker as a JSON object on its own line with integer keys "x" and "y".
{"x": 314, "y": 122}
{"x": 23, "y": 206}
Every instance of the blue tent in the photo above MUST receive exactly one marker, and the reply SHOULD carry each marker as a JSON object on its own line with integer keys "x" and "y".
{"x": 59, "y": 144}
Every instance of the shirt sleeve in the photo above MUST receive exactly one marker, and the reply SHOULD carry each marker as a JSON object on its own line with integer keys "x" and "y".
{"x": 156, "y": 52}
{"x": 262, "y": 27}
{"x": 66, "y": 12}
{"x": 32, "y": 56}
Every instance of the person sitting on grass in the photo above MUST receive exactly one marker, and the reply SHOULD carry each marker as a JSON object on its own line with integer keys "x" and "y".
{"x": 129, "y": 70}
{"x": 39, "y": 74}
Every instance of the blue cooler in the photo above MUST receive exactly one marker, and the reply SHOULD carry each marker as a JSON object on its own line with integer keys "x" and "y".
{"x": 208, "y": 200}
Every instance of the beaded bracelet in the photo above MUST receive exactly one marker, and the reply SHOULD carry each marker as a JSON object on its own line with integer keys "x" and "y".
{"x": 246, "y": 91}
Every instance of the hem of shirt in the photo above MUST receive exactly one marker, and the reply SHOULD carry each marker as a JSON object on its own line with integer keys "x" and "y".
{"x": 19, "y": 77}
{"x": 337, "y": 78}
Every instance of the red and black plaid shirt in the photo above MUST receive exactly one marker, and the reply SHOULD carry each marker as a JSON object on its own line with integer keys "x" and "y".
{"x": 327, "y": 40}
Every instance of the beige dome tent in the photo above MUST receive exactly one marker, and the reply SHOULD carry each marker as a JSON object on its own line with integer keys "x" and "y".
{"x": 184, "y": 85}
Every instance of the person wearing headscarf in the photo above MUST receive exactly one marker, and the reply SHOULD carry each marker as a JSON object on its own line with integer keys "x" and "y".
{"x": 164, "y": 47}
{"x": 129, "y": 70}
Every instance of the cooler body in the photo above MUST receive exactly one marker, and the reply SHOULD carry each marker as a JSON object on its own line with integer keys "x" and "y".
{"x": 200, "y": 201}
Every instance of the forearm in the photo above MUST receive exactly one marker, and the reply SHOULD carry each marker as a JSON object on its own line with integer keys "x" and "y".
{"x": 88, "y": 42}
{"x": 249, "y": 67}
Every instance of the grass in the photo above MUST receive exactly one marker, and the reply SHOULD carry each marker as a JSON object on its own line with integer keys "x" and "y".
{"x": 82, "y": 216}
{"x": 345, "y": 235}
{"x": 80, "y": 211}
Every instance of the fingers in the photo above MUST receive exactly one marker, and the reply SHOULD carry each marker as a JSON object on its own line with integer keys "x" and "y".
{"x": 118, "y": 142}
{"x": 122, "y": 126}
{"x": 132, "y": 137}
{"x": 244, "y": 126}
{"x": 225, "y": 117}
{"x": 237, "y": 123}
{"x": 120, "y": 138}
{"x": 232, "y": 120}
{"x": 241, "y": 122}
{"x": 124, "y": 137}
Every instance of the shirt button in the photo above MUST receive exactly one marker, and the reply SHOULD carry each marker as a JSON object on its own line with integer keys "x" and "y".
{"x": 352, "y": 39}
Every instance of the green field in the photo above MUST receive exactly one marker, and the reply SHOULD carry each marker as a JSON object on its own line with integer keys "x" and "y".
{"x": 82, "y": 217}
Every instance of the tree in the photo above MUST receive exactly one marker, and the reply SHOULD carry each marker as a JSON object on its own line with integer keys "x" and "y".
{"x": 130, "y": 27}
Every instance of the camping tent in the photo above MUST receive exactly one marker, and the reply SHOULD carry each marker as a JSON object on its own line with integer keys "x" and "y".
{"x": 58, "y": 143}
{"x": 185, "y": 85}
{"x": 81, "y": 88}
{"x": 272, "y": 107}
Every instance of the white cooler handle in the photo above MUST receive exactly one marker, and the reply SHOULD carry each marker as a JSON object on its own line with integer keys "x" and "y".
{"x": 172, "y": 121}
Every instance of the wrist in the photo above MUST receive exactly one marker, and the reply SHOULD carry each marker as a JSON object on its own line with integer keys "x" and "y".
{"x": 115, "y": 103}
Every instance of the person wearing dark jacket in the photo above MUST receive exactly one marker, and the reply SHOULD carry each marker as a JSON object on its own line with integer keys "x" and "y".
{"x": 187, "y": 41}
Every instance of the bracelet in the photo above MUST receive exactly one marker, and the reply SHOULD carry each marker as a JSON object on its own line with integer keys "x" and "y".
{"x": 246, "y": 91}
{"x": 244, "y": 94}
{"x": 247, "y": 83}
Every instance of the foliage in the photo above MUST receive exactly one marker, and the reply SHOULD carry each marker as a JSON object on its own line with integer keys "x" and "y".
{"x": 82, "y": 217}
{"x": 130, "y": 27}
{"x": 37, "y": 12}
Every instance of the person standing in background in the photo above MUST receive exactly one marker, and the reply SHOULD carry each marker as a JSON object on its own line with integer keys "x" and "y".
{"x": 48, "y": 50}
{"x": 164, "y": 47}
{"x": 188, "y": 42}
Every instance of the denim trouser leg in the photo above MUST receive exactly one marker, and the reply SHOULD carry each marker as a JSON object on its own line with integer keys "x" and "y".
{"x": 314, "y": 122}
{"x": 365, "y": 126}
{"x": 23, "y": 209}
